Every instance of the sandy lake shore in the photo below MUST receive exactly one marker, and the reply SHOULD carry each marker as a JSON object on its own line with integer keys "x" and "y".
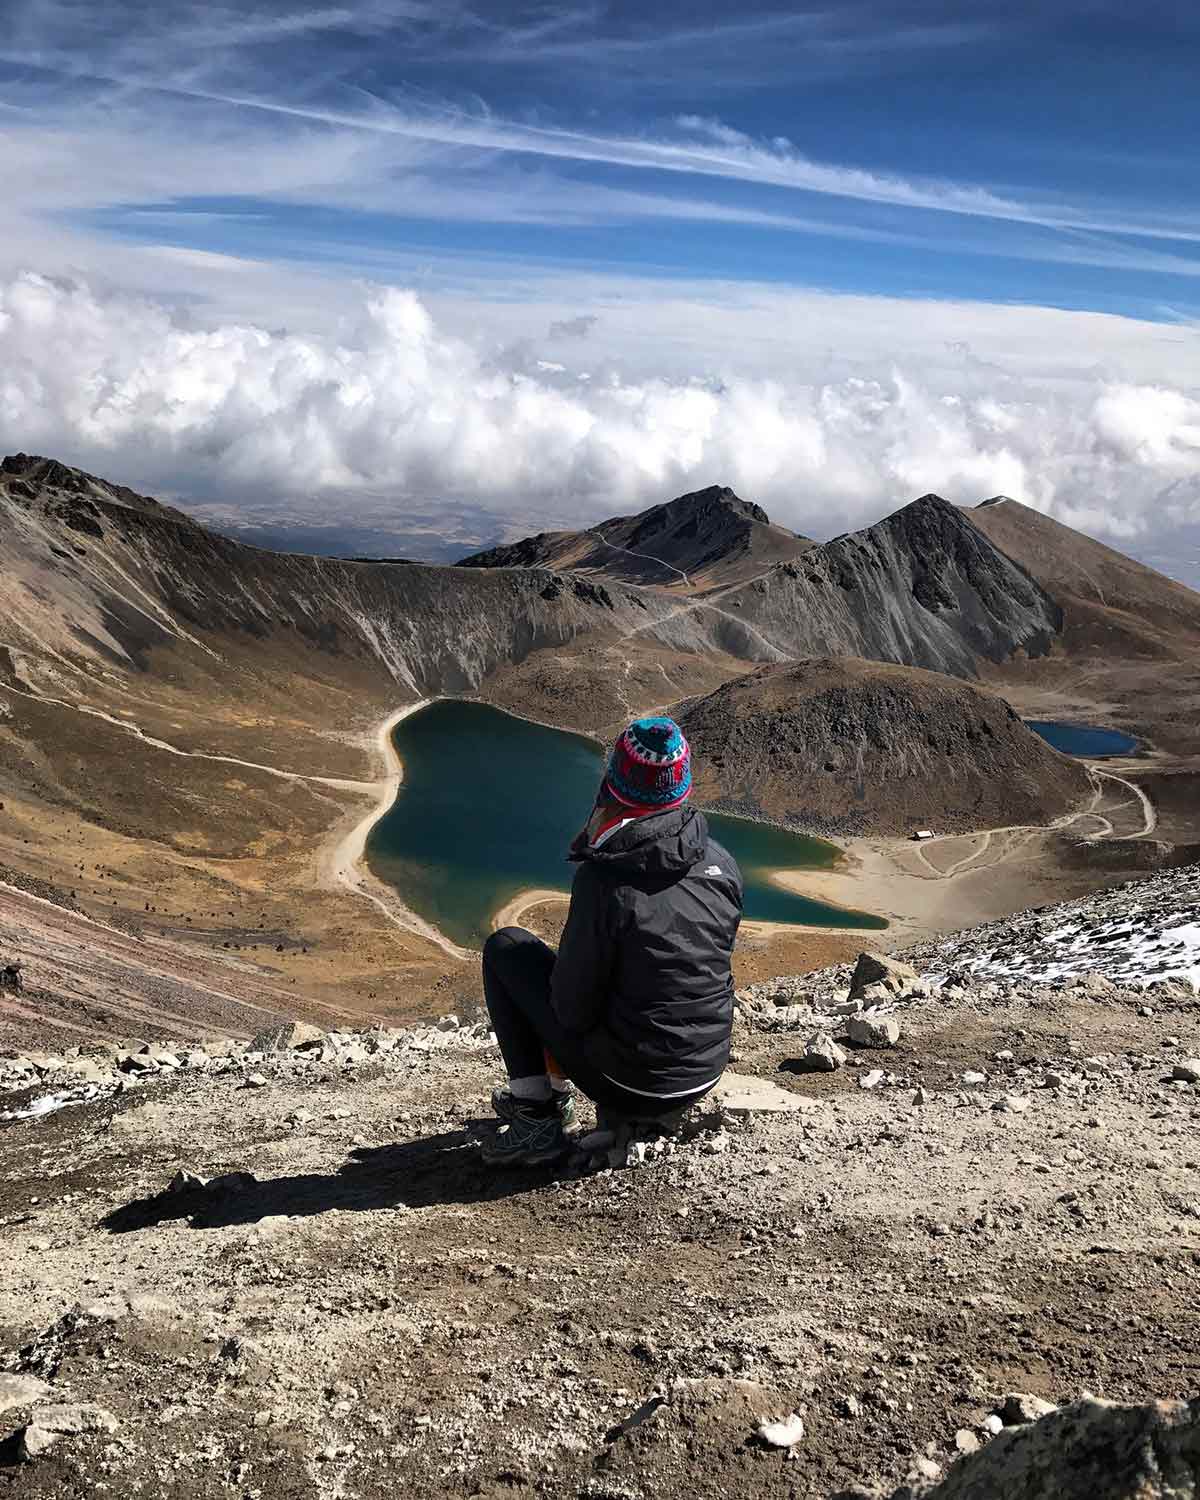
{"x": 511, "y": 912}
{"x": 957, "y": 881}
{"x": 342, "y": 861}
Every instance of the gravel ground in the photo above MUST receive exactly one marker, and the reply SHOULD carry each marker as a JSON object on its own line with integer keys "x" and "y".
{"x": 374, "y": 1313}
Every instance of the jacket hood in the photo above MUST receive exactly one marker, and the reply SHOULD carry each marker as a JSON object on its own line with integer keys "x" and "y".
{"x": 663, "y": 844}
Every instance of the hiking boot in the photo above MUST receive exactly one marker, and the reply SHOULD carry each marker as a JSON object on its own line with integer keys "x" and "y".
{"x": 506, "y": 1104}
{"x": 528, "y": 1140}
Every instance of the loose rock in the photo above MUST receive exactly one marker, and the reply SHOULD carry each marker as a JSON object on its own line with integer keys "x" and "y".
{"x": 50, "y": 1423}
{"x": 897, "y": 977}
{"x": 784, "y": 1434}
{"x": 1017, "y": 1409}
{"x": 741, "y": 1094}
{"x": 872, "y": 1030}
{"x": 822, "y": 1054}
{"x": 288, "y": 1034}
{"x": 21, "y": 1390}
{"x": 1090, "y": 1450}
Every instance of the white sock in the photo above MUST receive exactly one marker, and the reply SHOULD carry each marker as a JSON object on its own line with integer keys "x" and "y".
{"x": 535, "y": 1087}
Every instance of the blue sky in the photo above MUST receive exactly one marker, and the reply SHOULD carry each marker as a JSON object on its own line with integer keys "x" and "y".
{"x": 1032, "y": 152}
{"x": 799, "y": 194}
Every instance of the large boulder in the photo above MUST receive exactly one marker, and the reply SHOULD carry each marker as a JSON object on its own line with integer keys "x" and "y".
{"x": 895, "y": 976}
{"x": 286, "y": 1035}
{"x": 1090, "y": 1450}
{"x": 872, "y": 1030}
{"x": 821, "y": 1055}
{"x": 69, "y": 1419}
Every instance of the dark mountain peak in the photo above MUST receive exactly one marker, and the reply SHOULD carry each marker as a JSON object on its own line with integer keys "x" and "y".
{"x": 38, "y": 473}
{"x": 929, "y": 528}
{"x": 715, "y": 512}
{"x": 926, "y": 505}
{"x": 716, "y": 498}
{"x": 931, "y": 521}
{"x": 47, "y": 471}
{"x": 704, "y": 539}
{"x": 923, "y": 587}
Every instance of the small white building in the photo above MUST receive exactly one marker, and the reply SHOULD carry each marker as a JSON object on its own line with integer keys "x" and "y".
{"x": 922, "y": 834}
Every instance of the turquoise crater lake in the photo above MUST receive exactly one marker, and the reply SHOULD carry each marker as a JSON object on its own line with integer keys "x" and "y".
{"x": 490, "y": 802}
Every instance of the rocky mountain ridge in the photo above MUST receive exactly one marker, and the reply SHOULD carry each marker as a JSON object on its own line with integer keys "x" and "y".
{"x": 916, "y": 588}
{"x": 706, "y": 539}
{"x": 137, "y": 578}
{"x": 922, "y": 588}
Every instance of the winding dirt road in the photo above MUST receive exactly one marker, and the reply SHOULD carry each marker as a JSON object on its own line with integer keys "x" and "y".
{"x": 989, "y": 838}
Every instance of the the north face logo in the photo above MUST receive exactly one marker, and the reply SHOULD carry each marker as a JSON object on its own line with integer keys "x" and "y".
{"x": 714, "y": 870}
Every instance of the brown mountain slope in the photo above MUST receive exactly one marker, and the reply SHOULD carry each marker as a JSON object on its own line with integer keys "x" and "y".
{"x": 1129, "y": 650}
{"x": 188, "y": 723}
{"x": 709, "y": 538}
{"x": 837, "y": 745}
{"x": 1108, "y": 599}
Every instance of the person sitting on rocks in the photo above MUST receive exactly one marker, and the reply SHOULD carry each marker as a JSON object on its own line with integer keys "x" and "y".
{"x": 636, "y": 1007}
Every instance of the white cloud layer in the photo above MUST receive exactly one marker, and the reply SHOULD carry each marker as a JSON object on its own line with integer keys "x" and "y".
{"x": 393, "y": 402}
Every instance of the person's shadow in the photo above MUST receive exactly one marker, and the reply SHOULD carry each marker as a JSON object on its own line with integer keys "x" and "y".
{"x": 444, "y": 1168}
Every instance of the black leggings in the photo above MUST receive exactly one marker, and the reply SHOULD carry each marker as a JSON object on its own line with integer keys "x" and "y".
{"x": 516, "y": 985}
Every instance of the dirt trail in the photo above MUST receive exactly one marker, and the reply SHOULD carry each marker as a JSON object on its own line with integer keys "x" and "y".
{"x": 992, "y": 841}
{"x": 1149, "y": 812}
{"x": 648, "y": 556}
{"x": 341, "y": 783}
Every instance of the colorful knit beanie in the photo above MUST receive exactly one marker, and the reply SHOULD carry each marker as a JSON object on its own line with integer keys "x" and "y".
{"x": 651, "y": 766}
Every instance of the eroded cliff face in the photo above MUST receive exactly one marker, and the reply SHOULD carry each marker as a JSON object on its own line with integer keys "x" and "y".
{"x": 922, "y": 588}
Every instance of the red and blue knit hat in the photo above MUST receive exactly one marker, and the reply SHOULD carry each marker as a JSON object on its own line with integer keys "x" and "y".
{"x": 651, "y": 766}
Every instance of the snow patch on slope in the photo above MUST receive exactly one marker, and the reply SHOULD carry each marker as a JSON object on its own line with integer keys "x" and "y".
{"x": 1136, "y": 935}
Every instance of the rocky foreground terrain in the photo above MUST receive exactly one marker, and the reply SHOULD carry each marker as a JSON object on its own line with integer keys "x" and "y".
{"x": 942, "y": 1212}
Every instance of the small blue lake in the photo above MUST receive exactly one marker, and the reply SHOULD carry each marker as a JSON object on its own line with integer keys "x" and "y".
{"x": 490, "y": 803}
{"x": 1083, "y": 739}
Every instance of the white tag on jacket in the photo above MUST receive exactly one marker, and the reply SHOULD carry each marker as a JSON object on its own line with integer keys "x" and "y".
{"x": 714, "y": 870}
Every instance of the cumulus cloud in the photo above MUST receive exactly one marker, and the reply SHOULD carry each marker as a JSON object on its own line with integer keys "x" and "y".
{"x": 392, "y": 402}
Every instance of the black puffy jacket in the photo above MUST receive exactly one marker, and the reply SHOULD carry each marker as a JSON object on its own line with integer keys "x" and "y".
{"x": 642, "y": 972}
